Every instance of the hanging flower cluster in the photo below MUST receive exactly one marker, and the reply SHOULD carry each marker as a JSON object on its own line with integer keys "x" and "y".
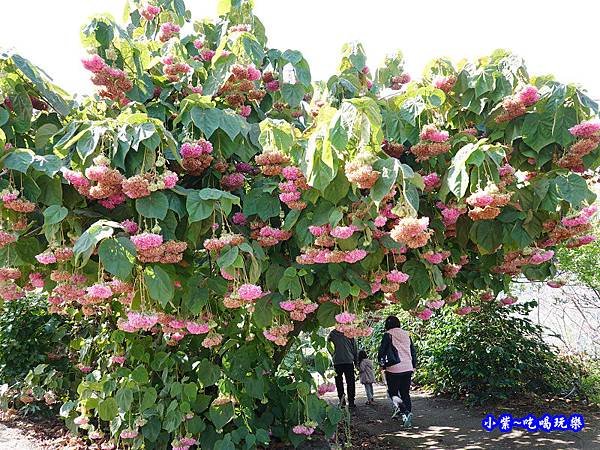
{"x": 450, "y": 215}
{"x": 348, "y": 324}
{"x": 241, "y": 87}
{"x": 393, "y": 149}
{"x": 9, "y": 290}
{"x": 268, "y": 236}
{"x": 217, "y": 244}
{"x": 432, "y": 181}
{"x": 360, "y": 172}
{"x": 324, "y": 256}
{"x": 271, "y": 84}
{"x": 272, "y": 162}
{"x": 196, "y": 156}
{"x": 291, "y": 189}
{"x": 299, "y": 308}
{"x": 507, "y": 176}
{"x": 433, "y": 142}
{"x": 435, "y": 257}
{"x": 588, "y": 139}
{"x": 306, "y": 429}
{"x": 388, "y": 283}
{"x": 149, "y": 12}
{"x": 412, "y": 232}
{"x": 278, "y": 334}
{"x": 444, "y": 83}
{"x": 6, "y": 238}
{"x": 115, "y": 83}
{"x": 139, "y": 186}
{"x": 516, "y": 105}
{"x": 513, "y": 262}
{"x": 396, "y": 82}
{"x": 151, "y": 248}
{"x": 12, "y": 200}
{"x": 51, "y": 256}
{"x": 175, "y": 70}
{"x": 167, "y": 31}
{"x": 486, "y": 203}
{"x": 100, "y": 182}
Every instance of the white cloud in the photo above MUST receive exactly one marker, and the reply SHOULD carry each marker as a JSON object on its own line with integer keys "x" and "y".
{"x": 553, "y": 37}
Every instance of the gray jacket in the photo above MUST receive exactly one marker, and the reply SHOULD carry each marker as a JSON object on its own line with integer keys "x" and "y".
{"x": 344, "y": 348}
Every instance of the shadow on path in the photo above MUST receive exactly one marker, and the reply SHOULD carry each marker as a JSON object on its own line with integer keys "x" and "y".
{"x": 441, "y": 423}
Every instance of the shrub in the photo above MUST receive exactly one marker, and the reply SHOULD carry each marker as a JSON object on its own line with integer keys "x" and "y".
{"x": 28, "y": 334}
{"x": 484, "y": 357}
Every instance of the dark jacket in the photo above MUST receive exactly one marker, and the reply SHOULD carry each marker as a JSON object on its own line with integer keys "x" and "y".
{"x": 344, "y": 348}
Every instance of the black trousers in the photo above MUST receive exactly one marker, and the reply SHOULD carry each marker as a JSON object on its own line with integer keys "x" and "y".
{"x": 398, "y": 384}
{"x": 347, "y": 371}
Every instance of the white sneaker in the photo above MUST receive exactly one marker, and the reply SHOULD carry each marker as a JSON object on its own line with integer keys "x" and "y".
{"x": 408, "y": 420}
{"x": 396, "y": 412}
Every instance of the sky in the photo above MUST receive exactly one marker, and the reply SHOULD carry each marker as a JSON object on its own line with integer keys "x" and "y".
{"x": 552, "y": 36}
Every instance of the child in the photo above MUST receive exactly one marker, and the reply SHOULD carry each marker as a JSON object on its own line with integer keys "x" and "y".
{"x": 367, "y": 375}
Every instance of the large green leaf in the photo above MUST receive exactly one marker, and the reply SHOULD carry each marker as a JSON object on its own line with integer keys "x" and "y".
{"x": 108, "y": 409}
{"x": 160, "y": 285}
{"x": 220, "y": 415}
{"x": 538, "y": 129}
{"x": 117, "y": 256}
{"x": 389, "y": 168}
{"x": 18, "y": 159}
{"x": 155, "y": 206}
{"x": 574, "y": 189}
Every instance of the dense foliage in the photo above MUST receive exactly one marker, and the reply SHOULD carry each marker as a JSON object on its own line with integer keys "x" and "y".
{"x": 210, "y": 204}
{"x": 28, "y": 334}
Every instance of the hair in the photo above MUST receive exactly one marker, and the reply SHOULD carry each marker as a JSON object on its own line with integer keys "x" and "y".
{"x": 362, "y": 355}
{"x": 391, "y": 322}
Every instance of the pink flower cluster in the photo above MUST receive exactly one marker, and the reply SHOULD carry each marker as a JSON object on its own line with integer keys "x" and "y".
{"x": 196, "y": 156}
{"x": 399, "y": 80}
{"x": 508, "y": 300}
{"x": 217, "y": 244}
{"x": 167, "y": 31}
{"x": 149, "y": 12}
{"x": 541, "y": 257}
{"x": 6, "y": 238}
{"x": 362, "y": 174}
{"x": 433, "y": 142}
{"x": 107, "y": 188}
{"x": 345, "y": 317}
{"x": 268, "y": 236}
{"x": 12, "y": 201}
{"x": 130, "y": 226}
{"x": 212, "y": 340}
{"x": 57, "y": 255}
{"x": 175, "y": 70}
{"x": 486, "y": 203}
{"x": 435, "y": 257}
{"x": 278, "y": 334}
{"x": 435, "y": 304}
{"x": 343, "y": 232}
{"x": 445, "y": 83}
{"x": 303, "y": 430}
{"x": 99, "y": 291}
{"x": 412, "y": 232}
{"x": 146, "y": 241}
{"x": 582, "y": 218}
{"x": 139, "y": 186}
{"x": 325, "y": 388}
{"x": 250, "y": 292}
{"x": 318, "y": 256}
{"x": 425, "y": 314}
{"x": 431, "y": 133}
{"x": 291, "y": 190}
{"x": 585, "y": 129}
{"x": 432, "y": 181}
{"x": 299, "y": 308}
{"x": 114, "y": 81}
{"x": 516, "y": 105}
{"x": 395, "y": 276}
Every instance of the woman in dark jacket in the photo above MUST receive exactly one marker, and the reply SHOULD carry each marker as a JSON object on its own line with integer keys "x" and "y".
{"x": 397, "y": 356}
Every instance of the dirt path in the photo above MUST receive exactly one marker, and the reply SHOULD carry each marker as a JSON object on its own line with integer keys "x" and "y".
{"x": 15, "y": 439}
{"x": 439, "y": 424}
{"x": 446, "y": 424}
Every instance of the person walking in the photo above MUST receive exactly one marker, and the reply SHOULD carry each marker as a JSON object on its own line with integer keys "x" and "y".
{"x": 366, "y": 374}
{"x": 398, "y": 357}
{"x": 345, "y": 358}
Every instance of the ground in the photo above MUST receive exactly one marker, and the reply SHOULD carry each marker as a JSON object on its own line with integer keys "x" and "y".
{"x": 447, "y": 424}
{"x": 438, "y": 424}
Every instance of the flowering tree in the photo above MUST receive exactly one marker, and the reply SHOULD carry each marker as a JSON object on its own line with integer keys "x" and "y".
{"x": 210, "y": 203}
